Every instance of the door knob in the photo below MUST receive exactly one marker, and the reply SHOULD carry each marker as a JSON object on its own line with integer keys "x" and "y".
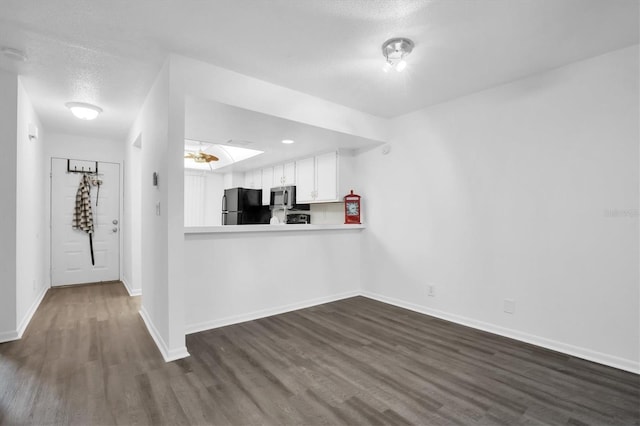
{"x": 115, "y": 221}
{"x": 114, "y": 230}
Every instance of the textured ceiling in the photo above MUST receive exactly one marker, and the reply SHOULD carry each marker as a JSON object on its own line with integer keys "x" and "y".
{"x": 108, "y": 52}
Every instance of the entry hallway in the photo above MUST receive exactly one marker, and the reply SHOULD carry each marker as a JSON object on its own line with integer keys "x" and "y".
{"x": 87, "y": 358}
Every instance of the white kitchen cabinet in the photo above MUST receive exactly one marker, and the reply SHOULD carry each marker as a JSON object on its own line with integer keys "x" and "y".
{"x": 326, "y": 177}
{"x": 290, "y": 173}
{"x": 284, "y": 174}
{"x": 305, "y": 180}
{"x": 253, "y": 179}
{"x": 317, "y": 179}
{"x": 267, "y": 183}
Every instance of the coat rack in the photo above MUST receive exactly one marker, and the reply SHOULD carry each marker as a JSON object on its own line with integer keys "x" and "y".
{"x": 82, "y": 170}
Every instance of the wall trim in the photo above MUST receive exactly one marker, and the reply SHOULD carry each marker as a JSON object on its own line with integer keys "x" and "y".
{"x": 168, "y": 354}
{"x": 9, "y": 336}
{"x": 262, "y": 313}
{"x": 31, "y": 312}
{"x": 132, "y": 292}
{"x": 576, "y": 351}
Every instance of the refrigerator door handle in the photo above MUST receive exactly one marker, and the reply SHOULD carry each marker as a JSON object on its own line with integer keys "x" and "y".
{"x": 224, "y": 203}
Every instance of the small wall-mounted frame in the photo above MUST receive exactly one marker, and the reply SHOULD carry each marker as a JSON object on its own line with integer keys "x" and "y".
{"x": 155, "y": 178}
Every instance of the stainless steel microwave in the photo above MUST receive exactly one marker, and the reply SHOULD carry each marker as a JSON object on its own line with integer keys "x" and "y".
{"x": 283, "y": 197}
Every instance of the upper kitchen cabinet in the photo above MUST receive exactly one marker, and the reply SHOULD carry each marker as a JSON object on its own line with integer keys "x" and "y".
{"x": 323, "y": 178}
{"x": 284, "y": 174}
{"x": 253, "y": 179}
{"x": 269, "y": 177}
{"x": 305, "y": 180}
{"x": 327, "y": 177}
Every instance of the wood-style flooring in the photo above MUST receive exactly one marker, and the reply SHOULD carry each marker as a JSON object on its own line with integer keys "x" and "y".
{"x": 87, "y": 359}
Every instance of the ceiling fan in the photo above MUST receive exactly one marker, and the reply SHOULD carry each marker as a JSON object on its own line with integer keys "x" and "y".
{"x": 201, "y": 157}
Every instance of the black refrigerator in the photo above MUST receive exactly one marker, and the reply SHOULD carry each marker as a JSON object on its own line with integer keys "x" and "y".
{"x": 243, "y": 206}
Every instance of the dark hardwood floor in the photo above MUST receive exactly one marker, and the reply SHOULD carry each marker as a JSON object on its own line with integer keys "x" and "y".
{"x": 87, "y": 358}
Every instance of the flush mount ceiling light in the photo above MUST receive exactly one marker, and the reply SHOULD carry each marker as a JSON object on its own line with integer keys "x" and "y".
{"x": 394, "y": 52}
{"x": 83, "y": 110}
{"x": 14, "y": 54}
{"x": 287, "y": 141}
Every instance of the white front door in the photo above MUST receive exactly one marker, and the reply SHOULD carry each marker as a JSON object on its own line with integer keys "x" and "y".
{"x": 70, "y": 253}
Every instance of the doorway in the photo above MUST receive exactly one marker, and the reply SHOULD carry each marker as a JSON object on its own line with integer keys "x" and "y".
{"x": 71, "y": 260}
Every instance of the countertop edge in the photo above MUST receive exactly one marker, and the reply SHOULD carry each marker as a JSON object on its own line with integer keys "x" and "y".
{"x": 267, "y": 228}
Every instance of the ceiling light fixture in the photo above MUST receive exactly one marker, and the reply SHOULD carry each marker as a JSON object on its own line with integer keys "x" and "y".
{"x": 394, "y": 52}
{"x": 287, "y": 141}
{"x": 14, "y": 54}
{"x": 83, "y": 110}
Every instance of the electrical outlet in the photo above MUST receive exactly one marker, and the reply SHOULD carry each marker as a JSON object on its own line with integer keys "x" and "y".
{"x": 509, "y": 306}
{"x": 431, "y": 290}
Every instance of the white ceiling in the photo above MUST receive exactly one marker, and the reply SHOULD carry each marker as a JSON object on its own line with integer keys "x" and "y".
{"x": 108, "y": 52}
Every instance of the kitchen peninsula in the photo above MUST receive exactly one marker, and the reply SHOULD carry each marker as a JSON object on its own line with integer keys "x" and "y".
{"x": 242, "y": 272}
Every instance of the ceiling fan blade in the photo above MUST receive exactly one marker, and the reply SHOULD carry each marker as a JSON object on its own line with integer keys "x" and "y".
{"x": 209, "y": 157}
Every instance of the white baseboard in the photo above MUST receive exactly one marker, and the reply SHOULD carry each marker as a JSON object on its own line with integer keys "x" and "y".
{"x": 132, "y": 292}
{"x": 168, "y": 354}
{"x": 250, "y": 316}
{"x": 32, "y": 310}
{"x": 9, "y": 336}
{"x": 576, "y": 351}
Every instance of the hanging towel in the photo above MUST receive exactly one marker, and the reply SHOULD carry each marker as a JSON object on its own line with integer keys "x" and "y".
{"x": 82, "y": 214}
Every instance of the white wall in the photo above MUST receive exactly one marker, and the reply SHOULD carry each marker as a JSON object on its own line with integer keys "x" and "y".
{"x": 512, "y": 193}
{"x": 31, "y": 220}
{"x": 237, "y": 277}
{"x": 160, "y": 127}
{"x": 8, "y": 182}
{"x": 76, "y": 147}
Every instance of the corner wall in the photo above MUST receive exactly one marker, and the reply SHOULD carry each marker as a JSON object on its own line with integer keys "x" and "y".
{"x": 23, "y": 226}
{"x": 526, "y": 192}
{"x": 31, "y": 220}
{"x": 8, "y": 182}
{"x": 131, "y": 222}
{"x": 161, "y": 210}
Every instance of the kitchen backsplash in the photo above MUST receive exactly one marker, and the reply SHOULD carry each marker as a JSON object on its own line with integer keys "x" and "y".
{"x": 327, "y": 213}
